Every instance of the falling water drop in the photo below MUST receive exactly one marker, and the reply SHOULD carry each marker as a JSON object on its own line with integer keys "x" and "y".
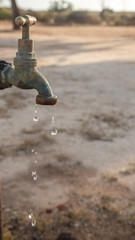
{"x": 35, "y": 177}
{"x": 30, "y": 215}
{"x": 52, "y": 119}
{"x": 33, "y": 223}
{"x": 34, "y": 173}
{"x": 35, "y": 118}
{"x": 54, "y": 132}
{"x": 36, "y": 107}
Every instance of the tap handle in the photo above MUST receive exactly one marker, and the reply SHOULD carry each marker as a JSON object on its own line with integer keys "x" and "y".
{"x": 25, "y": 20}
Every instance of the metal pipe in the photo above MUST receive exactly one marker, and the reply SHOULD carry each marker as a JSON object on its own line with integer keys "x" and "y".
{"x": 25, "y": 32}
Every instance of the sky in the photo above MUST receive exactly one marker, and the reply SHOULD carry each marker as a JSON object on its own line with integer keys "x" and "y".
{"x": 94, "y": 5}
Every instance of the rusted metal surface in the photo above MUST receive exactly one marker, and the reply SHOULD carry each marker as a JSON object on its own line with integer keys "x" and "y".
{"x": 3, "y": 85}
{"x": 41, "y": 101}
{"x": 0, "y": 214}
{"x": 25, "y": 74}
{"x": 25, "y": 20}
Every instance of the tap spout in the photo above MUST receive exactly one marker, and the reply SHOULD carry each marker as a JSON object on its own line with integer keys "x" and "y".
{"x": 39, "y": 82}
{"x": 30, "y": 78}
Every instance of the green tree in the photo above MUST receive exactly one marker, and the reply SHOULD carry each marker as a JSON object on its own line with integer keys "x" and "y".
{"x": 60, "y": 6}
{"x": 107, "y": 15}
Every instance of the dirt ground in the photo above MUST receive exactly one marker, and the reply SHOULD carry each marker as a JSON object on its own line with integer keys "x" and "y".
{"x": 86, "y": 173}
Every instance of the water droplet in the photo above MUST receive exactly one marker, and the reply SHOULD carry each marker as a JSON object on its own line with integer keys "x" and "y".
{"x": 54, "y": 132}
{"x": 34, "y": 173}
{"x": 36, "y": 119}
{"x": 32, "y": 150}
{"x": 35, "y": 178}
{"x": 30, "y": 215}
{"x": 53, "y": 119}
{"x": 33, "y": 223}
{"x": 36, "y": 153}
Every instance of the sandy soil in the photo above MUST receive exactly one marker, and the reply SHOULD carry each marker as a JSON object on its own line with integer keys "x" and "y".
{"x": 91, "y": 70}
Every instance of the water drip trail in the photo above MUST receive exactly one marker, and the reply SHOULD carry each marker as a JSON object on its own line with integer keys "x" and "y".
{"x": 34, "y": 152}
{"x": 34, "y": 175}
{"x": 34, "y": 172}
{"x": 54, "y": 131}
{"x": 32, "y": 219}
{"x": 36, "y": 117}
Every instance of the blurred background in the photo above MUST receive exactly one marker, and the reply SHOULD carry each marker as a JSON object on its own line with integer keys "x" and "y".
{"x": 71, "y": 174}
{"x": 101, "y": 12}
